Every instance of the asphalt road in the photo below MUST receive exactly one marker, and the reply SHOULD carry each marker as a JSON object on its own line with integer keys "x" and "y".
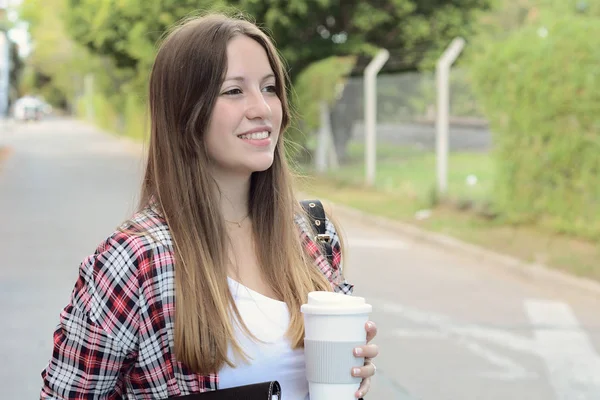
{"x": 451, "y": 328}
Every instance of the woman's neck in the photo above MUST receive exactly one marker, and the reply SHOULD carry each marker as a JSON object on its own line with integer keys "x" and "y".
{"x": 233, "y": 193}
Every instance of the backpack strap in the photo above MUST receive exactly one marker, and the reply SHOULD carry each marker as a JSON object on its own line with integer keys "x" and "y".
{"x": 316, "y": 212}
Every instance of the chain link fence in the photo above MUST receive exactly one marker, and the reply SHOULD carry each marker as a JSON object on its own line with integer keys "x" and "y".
{"x": 406, "y": 135}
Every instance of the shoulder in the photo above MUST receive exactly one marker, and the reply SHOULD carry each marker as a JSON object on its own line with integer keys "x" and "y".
{"x": 132, "y": 241}
{"x": 110, "y": 279}
{"x": 147, "y": 227}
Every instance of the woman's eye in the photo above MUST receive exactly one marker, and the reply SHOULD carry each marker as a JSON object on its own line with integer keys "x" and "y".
{"x": 233, "y": 92}
{"x": 270, "y": 89}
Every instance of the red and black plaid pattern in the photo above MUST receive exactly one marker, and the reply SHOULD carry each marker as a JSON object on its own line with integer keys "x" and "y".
{"x": 115, "y": 338}
{"x": 333, "y": 272}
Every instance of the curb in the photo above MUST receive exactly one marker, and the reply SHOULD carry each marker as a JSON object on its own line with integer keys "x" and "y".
{"x": 531, "y": 271}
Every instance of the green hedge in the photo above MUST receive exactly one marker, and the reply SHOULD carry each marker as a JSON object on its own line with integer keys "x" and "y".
{"x": 540, "y": 89}
{"x": 137, "y": 118}
{"x": 122, "y": 114}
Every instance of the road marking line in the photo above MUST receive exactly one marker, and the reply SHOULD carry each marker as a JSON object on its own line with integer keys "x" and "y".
{"x": 559, "y": 340}
{"x": 572, "y": 362}
{"x": 445, "y": 324}
{"x": 510, "y": 370}
{"x": 464, "y": 335}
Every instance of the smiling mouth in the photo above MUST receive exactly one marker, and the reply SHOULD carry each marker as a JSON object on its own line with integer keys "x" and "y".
{"x": 256, "y": 135}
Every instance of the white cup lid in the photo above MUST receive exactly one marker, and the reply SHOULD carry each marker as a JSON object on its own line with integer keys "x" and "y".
{"x": 330, "y": 303}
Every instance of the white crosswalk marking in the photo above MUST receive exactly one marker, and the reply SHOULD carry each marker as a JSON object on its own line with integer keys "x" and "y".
{"x": 572, "y": 362}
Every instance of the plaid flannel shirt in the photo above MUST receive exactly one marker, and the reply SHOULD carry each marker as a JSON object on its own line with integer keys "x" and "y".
{"x": 115, "y": 338}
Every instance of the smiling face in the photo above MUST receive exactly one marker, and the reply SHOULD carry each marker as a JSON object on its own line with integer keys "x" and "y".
{"x": 246, "y": 120}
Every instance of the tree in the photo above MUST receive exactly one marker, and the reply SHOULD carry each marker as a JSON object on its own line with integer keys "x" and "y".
{"x": 415, "y": 31}
{"x": 122, "y": 35}
{"x": 305, "y": 31}
{"x": 56, "y": 61}
{"x": 127, "y": 30}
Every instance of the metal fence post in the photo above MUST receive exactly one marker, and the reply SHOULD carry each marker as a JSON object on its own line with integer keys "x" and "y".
{"x": 442, "y": 123}
{"x": 323, "y": 135}
{"x": 4, "y": 74}
{"x": 371, "y": 113}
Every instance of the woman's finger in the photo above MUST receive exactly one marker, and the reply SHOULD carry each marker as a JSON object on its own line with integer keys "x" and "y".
{"x": 366, "y": 371}
{"x": 364, "y": 388}
{"x": 367, "y": 351}
{"x": 371, "y": 329}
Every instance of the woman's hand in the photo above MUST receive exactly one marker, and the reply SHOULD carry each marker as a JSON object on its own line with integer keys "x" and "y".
{"x": 369, "y": 352}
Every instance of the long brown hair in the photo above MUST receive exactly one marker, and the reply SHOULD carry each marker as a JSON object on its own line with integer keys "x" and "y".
{"x": 185, "y": 81}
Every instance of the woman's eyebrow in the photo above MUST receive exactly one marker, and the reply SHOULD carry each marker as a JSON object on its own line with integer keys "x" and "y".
{"x": 241, "y": 78}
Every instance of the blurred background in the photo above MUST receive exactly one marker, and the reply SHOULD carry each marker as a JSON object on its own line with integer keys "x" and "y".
{"x": 484, "y": 127}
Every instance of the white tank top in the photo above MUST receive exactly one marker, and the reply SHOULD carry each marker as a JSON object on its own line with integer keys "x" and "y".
{"x": 268, "y": 320}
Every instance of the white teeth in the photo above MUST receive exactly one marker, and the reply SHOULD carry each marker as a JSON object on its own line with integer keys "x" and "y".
{"x": 256, "y": 135}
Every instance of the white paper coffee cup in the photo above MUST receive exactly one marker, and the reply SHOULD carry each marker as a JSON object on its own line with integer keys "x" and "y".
{"x": 334, "y": 326}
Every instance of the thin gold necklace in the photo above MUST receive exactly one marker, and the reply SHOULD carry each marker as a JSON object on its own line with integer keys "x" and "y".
{"x": 239, "y": 224}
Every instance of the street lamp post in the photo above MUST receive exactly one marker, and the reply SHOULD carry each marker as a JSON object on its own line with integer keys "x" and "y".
{"x": 4, "y": 73}
{"x": 4, "y": 63}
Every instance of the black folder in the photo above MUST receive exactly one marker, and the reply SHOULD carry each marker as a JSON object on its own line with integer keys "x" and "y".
{"x": 257, "y": 391}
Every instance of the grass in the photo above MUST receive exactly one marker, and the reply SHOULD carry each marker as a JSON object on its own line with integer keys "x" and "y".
{"x": 404, "y": 185}
{"x": 411, "y": 173}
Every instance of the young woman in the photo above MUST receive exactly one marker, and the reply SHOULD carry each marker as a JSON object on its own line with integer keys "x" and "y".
{"x": 201, "y": 289}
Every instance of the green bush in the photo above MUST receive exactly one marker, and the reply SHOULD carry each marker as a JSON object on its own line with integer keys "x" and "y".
{"x": 130, "y": 120}
{"x": 320, "y": 81}
{"x": 137, "y": 118}
{"x": 106, "y": 114}
{"x": 540, "y": 89}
